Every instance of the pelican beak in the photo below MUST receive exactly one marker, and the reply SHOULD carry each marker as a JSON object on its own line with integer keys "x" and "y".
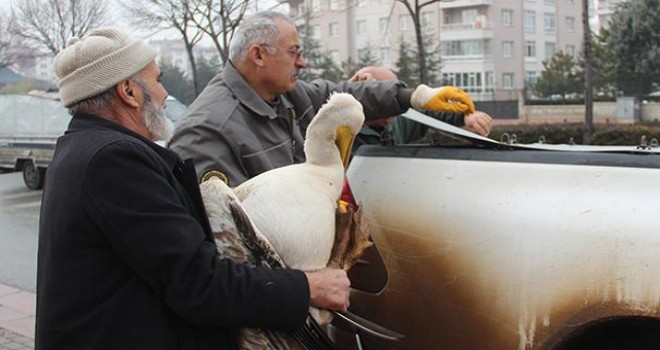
{"x": 344, "y": 141}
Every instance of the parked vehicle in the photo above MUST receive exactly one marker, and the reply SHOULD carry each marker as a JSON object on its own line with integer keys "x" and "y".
{"x": 504, "y": 246}
{"x": 30, "y": 126}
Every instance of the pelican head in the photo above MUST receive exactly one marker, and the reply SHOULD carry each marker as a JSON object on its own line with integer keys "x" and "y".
{"x": 337, "y": 122}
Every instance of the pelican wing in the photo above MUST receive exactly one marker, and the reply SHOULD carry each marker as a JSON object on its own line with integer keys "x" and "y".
{"x": 237, "y": 238}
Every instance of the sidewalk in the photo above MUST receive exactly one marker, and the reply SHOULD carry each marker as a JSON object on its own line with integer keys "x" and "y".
{"x": 16, "y": 319}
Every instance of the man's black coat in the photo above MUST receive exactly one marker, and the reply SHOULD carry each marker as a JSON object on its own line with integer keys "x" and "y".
{"x": 126, "y": 259}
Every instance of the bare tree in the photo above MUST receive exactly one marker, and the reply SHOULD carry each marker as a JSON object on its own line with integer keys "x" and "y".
{"x": 414, "y": 8}
{"x": 169, "y": 14}
{"x": 6, "y": 49}
{"x": 219, "y": 19}
{"x": 588, "y": 77}
{"x": 50, "y": 23}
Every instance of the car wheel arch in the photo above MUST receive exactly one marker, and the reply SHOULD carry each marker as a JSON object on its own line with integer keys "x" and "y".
{"x": 609, "y": 333}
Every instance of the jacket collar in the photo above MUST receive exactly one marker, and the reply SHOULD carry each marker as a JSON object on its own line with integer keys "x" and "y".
{"x": 246, "y": 94}
{"x": 81, "y": 122}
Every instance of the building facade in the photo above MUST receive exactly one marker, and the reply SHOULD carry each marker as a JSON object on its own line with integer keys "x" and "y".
{"x": 604, "y": 11}
{"x": 489, "y": 48}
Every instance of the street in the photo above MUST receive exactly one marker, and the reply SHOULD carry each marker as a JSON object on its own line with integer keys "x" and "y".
{"x": 19, "y": 222}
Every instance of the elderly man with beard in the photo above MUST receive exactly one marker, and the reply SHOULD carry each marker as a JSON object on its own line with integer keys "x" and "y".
{"x": 126, "y": 257}
{"x": 254, "y": 115}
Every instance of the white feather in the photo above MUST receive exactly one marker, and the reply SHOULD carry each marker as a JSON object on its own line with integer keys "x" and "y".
{"x": 294, "y": 206}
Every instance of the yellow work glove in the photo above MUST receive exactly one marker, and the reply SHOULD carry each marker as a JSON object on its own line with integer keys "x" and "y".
{"x": 444, "y": 99}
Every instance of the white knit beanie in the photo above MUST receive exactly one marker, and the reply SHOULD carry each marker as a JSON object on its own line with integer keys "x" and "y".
{"x": 100, "y": 60}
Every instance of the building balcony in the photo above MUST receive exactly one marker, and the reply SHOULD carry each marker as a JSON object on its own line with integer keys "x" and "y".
{"x": 464, "y": 3}
{"x": 463, "y": 58}
{"x": 465, "y": 26}
{"x": 463, "y": 31}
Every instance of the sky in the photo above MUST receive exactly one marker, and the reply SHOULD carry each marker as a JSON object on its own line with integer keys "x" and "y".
{"x": 116, "y": 14}
{"x": 4, "y": 5}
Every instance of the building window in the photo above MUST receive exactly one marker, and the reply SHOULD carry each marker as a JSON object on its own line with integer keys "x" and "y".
{"x": 316, "y": 5}
{"x": 570, "y": 24}
{"x": 570, "y": 1}
{"x": 507, "y": 80}
{"x": 469, "y": 82}
{"x": 507, "y": 48}
{"x": 316, "y": 32}
{"x": 550, "y": 49}
{"x": 549, "y": 2}
{"x": 335, "y": 4}
{"x": 333, "y": 29}
{"x": 447, "y": 79}
{"x": 507, "y": 18}
{"x": 427, "y": 18}
{"x": 383, "y": 23}
{"x": 384, "y": 54}
{"x": 530, "y": 48}
{"x": 473, "y": 47}
{"x": 468, "y": 17}
{"x": 361, "y": 26}
{"x": 530, "y": 20}
{"x": 549, "y": 22}
{"x": 334, "y": 55}
{"x": 489, "y": 80}
{"x": 403, "y": 22}
{"x": 531, "y": 77}
{"x": 570, "y": 50}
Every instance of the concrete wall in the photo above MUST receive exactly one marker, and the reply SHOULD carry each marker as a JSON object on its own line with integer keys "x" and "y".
{"x": 504, "y": 112}
{"x": 566, "y": 113}
{"x": 650, "y": 112}
{"x": 536, "y": 114}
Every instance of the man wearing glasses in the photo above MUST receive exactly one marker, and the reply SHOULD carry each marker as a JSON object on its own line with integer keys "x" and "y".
{"x": 253, "y": 116}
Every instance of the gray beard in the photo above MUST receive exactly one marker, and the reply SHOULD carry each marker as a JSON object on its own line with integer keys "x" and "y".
{"x": 158, "y": 125}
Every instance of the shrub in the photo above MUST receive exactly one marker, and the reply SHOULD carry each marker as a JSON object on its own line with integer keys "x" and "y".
{"x": 605, "y": 134}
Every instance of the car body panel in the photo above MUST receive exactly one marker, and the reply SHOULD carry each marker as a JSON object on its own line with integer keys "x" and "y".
{"x": 508, "y": 248}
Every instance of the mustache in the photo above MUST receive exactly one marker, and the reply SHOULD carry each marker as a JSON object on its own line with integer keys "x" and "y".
{"x": 297, "y": 72}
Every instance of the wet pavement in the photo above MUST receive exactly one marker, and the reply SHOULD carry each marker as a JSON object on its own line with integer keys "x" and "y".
{"x": 16, "y": 318}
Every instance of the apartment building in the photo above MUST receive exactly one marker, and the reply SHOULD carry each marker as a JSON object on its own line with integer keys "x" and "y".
{"x": 604, "y": 11}
{"x": 488, "y": 48}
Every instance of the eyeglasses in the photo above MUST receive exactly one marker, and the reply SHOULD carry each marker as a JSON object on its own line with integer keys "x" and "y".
{"x": 295, "y": 51}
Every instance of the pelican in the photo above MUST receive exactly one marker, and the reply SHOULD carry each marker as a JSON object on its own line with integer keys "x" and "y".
{"x": 238, "y": 239}
{"x": 295, "y": 205}
{"x": 296, "y": 209}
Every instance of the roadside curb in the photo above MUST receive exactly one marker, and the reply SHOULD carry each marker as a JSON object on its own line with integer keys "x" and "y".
{"x": 17, "y": 309}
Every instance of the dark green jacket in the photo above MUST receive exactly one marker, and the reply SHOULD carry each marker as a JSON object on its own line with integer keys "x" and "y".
{"x": 402, "y": 130}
